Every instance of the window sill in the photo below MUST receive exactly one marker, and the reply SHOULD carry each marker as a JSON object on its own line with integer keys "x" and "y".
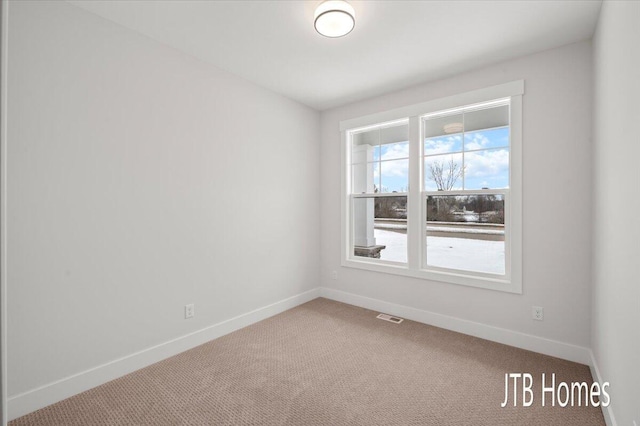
{"x": 498, "y": 284}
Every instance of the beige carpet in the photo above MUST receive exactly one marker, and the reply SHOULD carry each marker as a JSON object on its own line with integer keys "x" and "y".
{"x": 327, "y": 363}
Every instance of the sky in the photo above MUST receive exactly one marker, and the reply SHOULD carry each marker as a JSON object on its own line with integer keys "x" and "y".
{"x": 484, "y": 155}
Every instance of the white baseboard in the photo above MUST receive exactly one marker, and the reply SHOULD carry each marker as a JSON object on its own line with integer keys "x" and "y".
{"x": 607, "y": 412}
{"x": 501, "y": 335}
{"x": 35, "y": 399}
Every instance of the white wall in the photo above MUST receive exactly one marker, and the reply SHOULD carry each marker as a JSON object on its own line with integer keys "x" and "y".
{"x": 557, "y": 202}
{"x": 140, "y": 180}
{"x": 3, "y": 299}
{"x": 616, "y": 278}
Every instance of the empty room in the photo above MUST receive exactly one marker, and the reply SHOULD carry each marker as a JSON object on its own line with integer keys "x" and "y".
{"x": 333, "y": 212}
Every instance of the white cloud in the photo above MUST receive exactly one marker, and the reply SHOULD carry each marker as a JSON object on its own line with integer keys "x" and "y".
{"x": 442, "y": 145}
{"x": 399, "y": 168}
{"x": 486, "y": 139}
{"x": 395, "y": 171}
{"x": 396, "y": 150}
{"x": 486, "y": 163}
{"x": 478, "y": 141}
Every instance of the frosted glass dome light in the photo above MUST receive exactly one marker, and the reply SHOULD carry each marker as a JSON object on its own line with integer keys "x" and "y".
{"x": 334, "y": 18}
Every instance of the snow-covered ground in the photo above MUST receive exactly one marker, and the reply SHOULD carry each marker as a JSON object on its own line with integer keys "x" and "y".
{"x": 457, "y": 253}
{"x": 396, "y": 243}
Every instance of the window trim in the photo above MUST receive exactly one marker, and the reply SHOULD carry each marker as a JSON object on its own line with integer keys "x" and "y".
{"x": 512, "y": 281}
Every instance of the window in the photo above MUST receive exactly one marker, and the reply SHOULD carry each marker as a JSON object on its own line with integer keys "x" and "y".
{"x": 379, "y": 188}
{"x": 434, "y": 190}
{"x": 466, "y": 182}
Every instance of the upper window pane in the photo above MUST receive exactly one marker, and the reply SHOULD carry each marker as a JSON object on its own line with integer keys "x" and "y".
{"x": 443, "y": 172}
{"x": 394, "y": 134}
{"x": 472, "y": 154}
{"x": 394, "y": 151}
{"x": 443, "y": 126}
{"x": 443, "y": 145}
{"x": 487, "y": 169}
{"x": 486, "y": 118}
{"x": 394, "y": 176}
{"x": 376, "y": 153}
{"x": 394, "y": 142}
{"x": 365, "y": 178}
{"x": 365, "y": 146}
{"x": 494, "y": 138}
{"x": 380, "y": 159}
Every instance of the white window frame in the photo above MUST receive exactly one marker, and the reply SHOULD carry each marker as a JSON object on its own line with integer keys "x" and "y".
{"x": 512, "y": 280}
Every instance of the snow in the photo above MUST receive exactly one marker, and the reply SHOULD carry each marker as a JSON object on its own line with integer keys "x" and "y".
{"x": 466, "y": 254}
{"x": 455, "y": 253}
{"x": 396, "y": 243}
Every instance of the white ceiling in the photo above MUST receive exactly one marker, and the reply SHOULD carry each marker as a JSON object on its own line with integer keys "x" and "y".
{"x": 394, "y": 45}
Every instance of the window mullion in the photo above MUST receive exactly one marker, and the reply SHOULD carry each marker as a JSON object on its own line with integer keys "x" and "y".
{"x": 414, "y": 205}
{"x": 464, "y": 149}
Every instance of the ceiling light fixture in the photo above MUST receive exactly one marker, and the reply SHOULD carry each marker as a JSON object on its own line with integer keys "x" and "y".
{"x": 334, "y": 18}
{"x": 453, "y": 128}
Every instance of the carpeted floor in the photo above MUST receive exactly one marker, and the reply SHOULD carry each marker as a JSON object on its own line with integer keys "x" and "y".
{"x": 328, "y": 363}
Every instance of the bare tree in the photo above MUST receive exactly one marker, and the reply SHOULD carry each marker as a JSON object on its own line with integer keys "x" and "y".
{"x": 445, "y": 175}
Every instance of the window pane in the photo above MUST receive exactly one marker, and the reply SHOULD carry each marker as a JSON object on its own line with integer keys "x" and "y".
{"x": 394, "y": 176}
{"x": 494, "y": 138}
{"x": 487, "y": 118}
{"x": 394, "y": 134}
{"x": 394, "y": 142}
{"x": 380, "y": 228}
{"x": 365, "y": 178}
{"x": 365, "y": 146}
{"x": 442, "y": 126}
{"x": 443, "y": 145}
{"x": 394, "y": 151}
{"x": 443, "y": 172}
{"x": 466, "y": 233}
{"x": 486, "y": 169}
{"x": 376, "y": 153}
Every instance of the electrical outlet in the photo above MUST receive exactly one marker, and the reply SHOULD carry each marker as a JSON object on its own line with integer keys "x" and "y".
{"x": 189, "y": 311}
{"x": 334, "y": 275}
{"x": 537, "y": 313}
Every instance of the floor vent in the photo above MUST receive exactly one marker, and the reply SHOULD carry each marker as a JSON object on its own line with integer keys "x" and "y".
{"x": 390, "y": 318}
